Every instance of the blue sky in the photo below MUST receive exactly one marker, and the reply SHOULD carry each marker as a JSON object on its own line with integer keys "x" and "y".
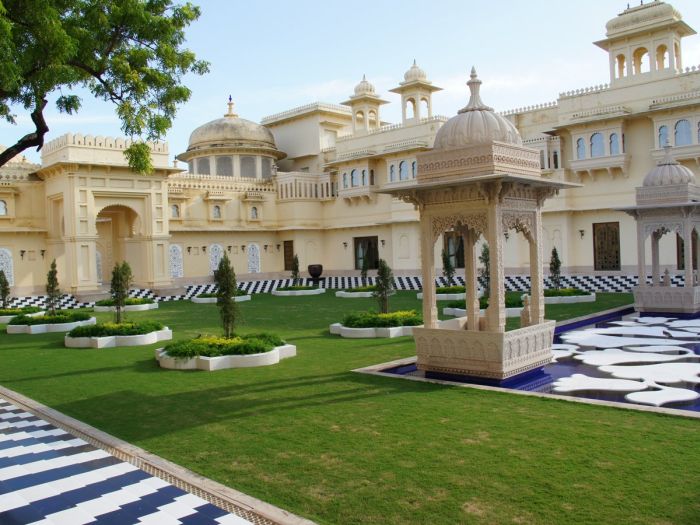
{"x": 272, "y": 56}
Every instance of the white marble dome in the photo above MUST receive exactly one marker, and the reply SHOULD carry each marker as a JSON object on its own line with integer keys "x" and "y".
{"x": 476, "y": 124}
{"x": 230, "y": 131}
{"x": 364, "y": 87}
{"x": 668, "y": 172}
{"x": 414, "y": 73}
{"x": 642, "y": 16}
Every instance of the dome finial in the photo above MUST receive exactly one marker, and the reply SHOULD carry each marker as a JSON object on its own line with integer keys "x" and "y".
{"x": 414, "y": 62}
{"x": 668, "y": 158}
{"x": 230, "y": 112}
{"x": 475, "y": 103}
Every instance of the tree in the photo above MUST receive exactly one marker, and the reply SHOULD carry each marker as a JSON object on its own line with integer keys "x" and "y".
{"x": 448, "y": 270}
{"x": 53, "y": 292}
{"x": 485, "y": 270}
{"x": 364, "y": 268}
{"x": 295, "y": 270}
{"x": 127, "y": 52}
{"x": 225, "y": 279}
{"x": 119, "y": 288}
{"x": 4, "y": 290}
{"x": 384, "y": 286}
{"x": 555, "y": 269}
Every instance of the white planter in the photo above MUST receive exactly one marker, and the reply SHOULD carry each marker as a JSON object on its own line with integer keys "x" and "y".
{"x": 370, "y": 333}
{"x": 288, "y": 293}
{"x": 352, "y": 295}
{"x": 112, "y": 341}
{"x": 128, "y": 308}
{"x": 462, "y": 312}
{"x": 4, "y": 319}
{"x": 226, "y": 361}
{"x": 47, "y": 328}
{"x": 210, "y": 300}
{"x": 570, "y": 299}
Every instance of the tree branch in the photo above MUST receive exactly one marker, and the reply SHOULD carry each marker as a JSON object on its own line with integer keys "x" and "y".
{"x": 31, "y": 139}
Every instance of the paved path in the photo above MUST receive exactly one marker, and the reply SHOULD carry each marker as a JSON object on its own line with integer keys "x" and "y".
{"x": 50, "y": 477}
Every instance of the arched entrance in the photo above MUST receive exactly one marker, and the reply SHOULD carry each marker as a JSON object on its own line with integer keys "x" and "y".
{"x": 118, "y": 235}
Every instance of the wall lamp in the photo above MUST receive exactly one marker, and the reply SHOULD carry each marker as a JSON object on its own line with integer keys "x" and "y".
{"x": 278, "y": 247}
{"x": 243, "y": 247}
{"x": 21, "y": 253}
{"x": 189, "y": 249}
{"x": 506, "y": 235}
{"x": 43, "y": 252}
{"x": 345, "y": 245}
{"x": 383, "y": 242}
{"x": 265, "y": 247}
{"x": 229, "y": 248}
{"x": 204, "y": 249}
{"x": 582, "y": 233}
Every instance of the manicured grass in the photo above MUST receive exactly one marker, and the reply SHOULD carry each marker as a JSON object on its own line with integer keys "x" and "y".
{"x": 338, "y": 447}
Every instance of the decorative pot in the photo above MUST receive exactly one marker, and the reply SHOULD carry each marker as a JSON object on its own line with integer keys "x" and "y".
{"x": 315, "y": 271}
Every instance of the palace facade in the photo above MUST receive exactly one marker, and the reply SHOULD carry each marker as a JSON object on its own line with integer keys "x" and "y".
{"x": 313, "y": 181}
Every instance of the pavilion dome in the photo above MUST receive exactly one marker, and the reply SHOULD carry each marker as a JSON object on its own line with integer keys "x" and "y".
{"x": 642, "y": 16}
{"x": 668, "y": 172}
{"x": 364, "y": 87}
{"x": 476, "y": 124}
{"x": 414, "y": 73}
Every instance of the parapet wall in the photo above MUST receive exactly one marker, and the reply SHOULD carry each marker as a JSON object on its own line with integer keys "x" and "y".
{"x": 97, "y": 150}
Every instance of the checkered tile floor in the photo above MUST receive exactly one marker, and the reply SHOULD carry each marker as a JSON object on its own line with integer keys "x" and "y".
{"x": 50, "y": 477}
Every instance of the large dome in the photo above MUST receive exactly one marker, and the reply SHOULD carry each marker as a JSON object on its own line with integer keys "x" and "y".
{"x": 669, "y": 172}
{"x": 476, "y": 124}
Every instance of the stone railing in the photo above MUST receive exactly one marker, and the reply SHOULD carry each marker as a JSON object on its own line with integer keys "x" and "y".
{"x": 406, "y": 144}
{"x": 674, "y": 98}
{"x": 293, "y": 186}
{"x": 525, "y": 109}
{"x": 356, "y": 154}
{"x": 605, "y": 110}
{"x": 584, "y": 91}
{"x": 314, "y": 106}
{"x": 392, "y": 127}
{"x": 97, "y": 142}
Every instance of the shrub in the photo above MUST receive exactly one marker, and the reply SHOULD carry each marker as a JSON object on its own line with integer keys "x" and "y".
{"x": 295, "y": 270}
{"x": 296, "y": 287}
{"x": 53, "y": 292}
{"x": 119, "y": 288}
{"x": 129, "y": 301}
{"x": 485, "y": 270}
{"x": 513, "y": 300}
{"x": 364, "y": 268}
{"x": 565, "y": 292}
{"x": 384, "y": 286}
{"x": 106, "y": 329}
{"x": 226, "y": 287}
{"x": 368, "y": 288}
{"x": 19, "y": 311}
{"x": 57, "y": 318}
{"x": 555, "y": 269}
{"x": 4, "y": 290}
{"x": 382, "y": 320}
{"x": 212, "y": 346}
{"x": 450, "y": 289}
{"x": 211, "y": 295}
{"x": 448, "y": 269}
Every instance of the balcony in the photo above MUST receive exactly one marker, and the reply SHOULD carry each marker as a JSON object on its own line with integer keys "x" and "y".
{"x": 612, "y": 164}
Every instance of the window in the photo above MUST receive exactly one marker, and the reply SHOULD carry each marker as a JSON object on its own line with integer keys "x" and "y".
{"x": 614, "y": 144}
{"x": 254, "y": 213}
{"x": 371, "y": 177}
{"x": 216, "y": 212}
{"x": 641, "y": 61}
{"x": 606, "y": 246}
{"x": 662, "y": 57}
{"x": 621, "y": 64}
{"x": 555, "y": 160}
{"x": 203, "y": 167}
{"x": 453, "y": 244}
{"x": 403, "y": 170}
{"x": 366, "y": 247}
{"x": 248, "y": 167}
{"x": 190, "y": 167}
{"x": 681, "y": 133}
{"x": 364, "y": 177}
{"x": 354, "y": 181}
{"x": 392, "y": 173}
{"x": 3, "y": 208}
{"x": 175, "y": 211}
{"x": 345, "y": 180}
{"x": 224, "y": 166}
{"x": 266, "y": 164}
{"x": 413, "y": 169}
{"x": 663, "y": 136}
{"x": 580, "y": 149}
{"x": 680, "y": 251}
{"x": 597, "y": 147}
{"x": 542, "y": 164}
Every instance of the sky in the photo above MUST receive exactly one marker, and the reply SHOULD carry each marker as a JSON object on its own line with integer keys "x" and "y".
{"x": 275, "y": 55}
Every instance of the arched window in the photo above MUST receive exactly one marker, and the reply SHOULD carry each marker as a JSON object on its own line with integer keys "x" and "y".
{"x": 663, "y": 136}
{"x": 360, "y": 119}
{"x": 392, "y": 173}
{"x": 681, "y": 133}
{"x": 372, "y": 119}
{"x": 542, "y": 165}
{"x": 413, "y": 169}
{"x": 580, "y": 149}
{"x": 354, "y": 181}
{"x": 641, "y": 61}
{"x": 3, "y": 208}
{"x": 224, "y": 166}
{"x": 698, "y": 132}
{"x": 203, "y": 166}
{"x": 424, "y": 107}
{"x": 364, "y": 177}
{"x": 621, "y": 66}
{"x": 410, "y": 108}
{"x": 253, "y": 213}
{"x": 662, "y": 57}
{"x": 216, "y": 212}
{"x": 614, "y": 144}
{"x": 555, "y": 160}
{"x": 175, "y": 211}
{"x": 403, "y": 170}
{"x": 248, "y": 167}
{"x": 597, "y": 147}
{"x": 371, "y": 177}
{"x": 345, "y": 180}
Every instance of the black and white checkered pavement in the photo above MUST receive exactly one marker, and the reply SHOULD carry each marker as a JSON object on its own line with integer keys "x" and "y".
{"x": 50, "y": 477}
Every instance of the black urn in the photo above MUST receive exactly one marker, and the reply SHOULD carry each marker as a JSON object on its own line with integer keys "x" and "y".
{"x": 315, "y": 271}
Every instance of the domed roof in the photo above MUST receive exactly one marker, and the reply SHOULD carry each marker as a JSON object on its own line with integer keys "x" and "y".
{"x": 414, "y": 73}
{"x": 364, "y": 87}
{"x": 634, "y": 18}
{"x": 668, "y": 172}
{"x": 476, "y": 124}
{"x": 231, "y": 131}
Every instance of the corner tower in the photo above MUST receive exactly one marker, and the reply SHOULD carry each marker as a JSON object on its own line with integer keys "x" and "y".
{"x": 416, "y": 95}
{"x": 365, "y": 105}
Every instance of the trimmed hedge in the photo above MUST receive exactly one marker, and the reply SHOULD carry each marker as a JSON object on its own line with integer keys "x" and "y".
{"x": 295, "y": 288}
{"x": 450, "y": 289}
{"x": 20, "y": 311}
{"x": 213, "y": 346}
{"x": 565, "y": 292}
{"x": 59, "y": 318}
{"x": 212, "y": 295}
{"x": 513, "y": 300}
{"x": 131, "y": 301}
{"x": 377, "y": 320}
{"x": 368, "y": 288}
{"x": 107, "y": 329}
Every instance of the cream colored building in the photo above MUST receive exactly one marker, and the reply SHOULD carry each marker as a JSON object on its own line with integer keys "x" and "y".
{"x": 307, "y": 181}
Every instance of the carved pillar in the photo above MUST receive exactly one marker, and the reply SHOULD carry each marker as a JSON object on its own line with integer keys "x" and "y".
{"x": 469, "y": 238}
{"x": 697, "y": 257}
{"x": 536, "y": 275}
{"x": 430, "y": 317}
{"x": 641, "y": 256}
{"x": 496, "y": 312}
{"x": 688, "y": 253}
{"x": 655, "y": 270}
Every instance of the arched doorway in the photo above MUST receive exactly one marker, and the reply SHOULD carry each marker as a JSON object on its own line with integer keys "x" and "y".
{"x": 118, "y": 235}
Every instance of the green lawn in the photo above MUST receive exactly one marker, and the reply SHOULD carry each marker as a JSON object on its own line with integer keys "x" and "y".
{"x": 341, "y": 447}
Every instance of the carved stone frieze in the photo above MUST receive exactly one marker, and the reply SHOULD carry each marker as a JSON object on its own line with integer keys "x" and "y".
{"x": 521, "y": 222}
{"x": 443, "y": 223}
